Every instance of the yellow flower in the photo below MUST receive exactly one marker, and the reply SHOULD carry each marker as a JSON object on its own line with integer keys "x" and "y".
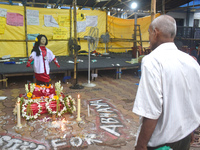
{"x": 55, "y": 97}
{"x": 29, "y": 95}
{"x": 36, "y": 39}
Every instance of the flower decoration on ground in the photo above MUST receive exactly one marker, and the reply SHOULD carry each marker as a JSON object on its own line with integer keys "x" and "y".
{"x": 54, "y": 110}
{"x": 40, "y": 99}
{"x": 28, "y": 112}
{"x": 70, "y": 104}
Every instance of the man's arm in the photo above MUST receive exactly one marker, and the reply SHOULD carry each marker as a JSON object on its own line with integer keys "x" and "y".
{"x": 146, "y": 131}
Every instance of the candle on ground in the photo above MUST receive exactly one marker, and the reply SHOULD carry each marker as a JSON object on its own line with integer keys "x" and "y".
{"x": 78, "y": 108}
{"x": 18, "y": 115}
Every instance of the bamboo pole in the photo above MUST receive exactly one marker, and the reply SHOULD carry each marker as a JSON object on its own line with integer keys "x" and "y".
{"x": 25, "y": 24}
{"x": 135, "y": 31}
{"x": 131, "y": 15}
{"x": 85, "y": 3}
{"x": 70, "y": 12}
{"x": 33, "y": 3}
{"x": 153, "y": 9}
{"x": 106, "y": 44}
{"x": 75, "y": 37}
{"x": 106, "y": 3}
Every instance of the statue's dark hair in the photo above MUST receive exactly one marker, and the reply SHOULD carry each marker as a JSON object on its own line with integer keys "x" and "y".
{"x": 37, "y": 44}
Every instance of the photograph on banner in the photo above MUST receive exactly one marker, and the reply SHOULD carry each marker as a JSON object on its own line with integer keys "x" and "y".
{"x": 80, "y": 17}
{"x": 64, "y": 20}
{"x": 91, "y": 21}
{"x": 3, "y": 12}
{"x": 15, "y": 19}
{"x": 32, "y": 17}
{"x": 2, "y": 25}
{"x": 49, "y": 21}
{"x": 60, "y": 33}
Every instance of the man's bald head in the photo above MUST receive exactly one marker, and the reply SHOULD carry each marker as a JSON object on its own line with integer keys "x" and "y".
{"x": 166, "y": 25}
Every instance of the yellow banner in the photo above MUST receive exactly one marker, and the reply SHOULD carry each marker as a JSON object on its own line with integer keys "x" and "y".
{"x": 2, "y": 25}
{"x": 59, "y": 33}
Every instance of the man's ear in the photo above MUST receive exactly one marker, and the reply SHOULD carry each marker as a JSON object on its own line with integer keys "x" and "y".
{"x": 156, "y": 32}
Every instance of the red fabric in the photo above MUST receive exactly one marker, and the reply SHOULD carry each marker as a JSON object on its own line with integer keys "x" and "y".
{"x": 53, "y": 105}
{"x": 44, "y": 110}
{"x": 34, "y": 108}
{"x": 44, "y": 77}
{"x": 46, "y": 92}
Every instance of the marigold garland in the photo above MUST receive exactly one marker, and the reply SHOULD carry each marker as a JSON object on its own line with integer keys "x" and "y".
{"x": 29, "y": 94}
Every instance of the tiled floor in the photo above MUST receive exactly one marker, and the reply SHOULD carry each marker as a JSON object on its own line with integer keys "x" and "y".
{"x": 93, "y": 132}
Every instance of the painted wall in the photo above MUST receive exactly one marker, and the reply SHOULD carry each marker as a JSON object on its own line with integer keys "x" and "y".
{"x": 178, "y": 15}
{"x": 191, "y": 20}
{"x": 182, "y": 15}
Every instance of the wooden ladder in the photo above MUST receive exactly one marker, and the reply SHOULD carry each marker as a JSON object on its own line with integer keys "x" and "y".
{"x": 138, "y": 34}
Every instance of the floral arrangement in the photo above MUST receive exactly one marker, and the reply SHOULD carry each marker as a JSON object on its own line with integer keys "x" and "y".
{"x": 44, "y": 99}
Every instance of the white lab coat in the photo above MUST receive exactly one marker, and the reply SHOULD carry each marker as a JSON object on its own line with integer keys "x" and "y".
{"x": 39, "y": 63}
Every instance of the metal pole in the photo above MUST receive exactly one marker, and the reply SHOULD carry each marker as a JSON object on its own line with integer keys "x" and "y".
{"x": 88, "y": 63}
{"x": 163, "y": 6}
{"x": 25, "y": 24}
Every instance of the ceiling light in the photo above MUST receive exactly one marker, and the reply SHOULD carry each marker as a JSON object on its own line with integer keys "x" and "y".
{"x": 133, "y": 5}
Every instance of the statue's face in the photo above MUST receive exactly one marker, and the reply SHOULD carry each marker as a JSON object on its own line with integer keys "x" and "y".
{"x": 42, "y": 41}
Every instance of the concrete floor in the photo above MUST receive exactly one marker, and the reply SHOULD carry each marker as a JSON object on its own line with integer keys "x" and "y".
{"x": 94, "y": 131}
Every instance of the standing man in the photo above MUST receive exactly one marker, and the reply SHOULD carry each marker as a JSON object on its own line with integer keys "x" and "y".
{"x": 168, "y": 94}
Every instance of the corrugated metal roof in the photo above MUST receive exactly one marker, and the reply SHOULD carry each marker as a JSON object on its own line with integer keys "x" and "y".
{"x": 122, "y": 4}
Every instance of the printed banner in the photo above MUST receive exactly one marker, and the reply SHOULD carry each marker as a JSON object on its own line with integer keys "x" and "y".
{"x": 15, "y": 19}
{"x": 32, "y": 17}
